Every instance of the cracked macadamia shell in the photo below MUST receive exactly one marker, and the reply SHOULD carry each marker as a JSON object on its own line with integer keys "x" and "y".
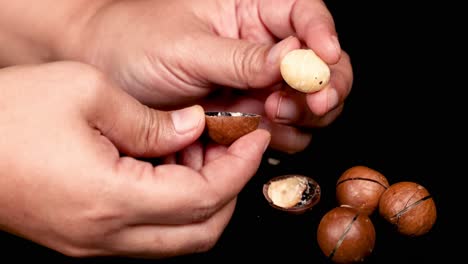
{"x": 361, "y": 187}
{"x": 292, "y": 193}
{"x": 304, "y": 71}
{"x": 409, "y": 207}
{"x": 225, "y": 127}
{"x": 345, "y": 235}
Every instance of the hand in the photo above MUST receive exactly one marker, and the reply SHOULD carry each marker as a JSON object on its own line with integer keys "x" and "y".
{"x": 172, "y": 53}
{"x": 68, "y": 180}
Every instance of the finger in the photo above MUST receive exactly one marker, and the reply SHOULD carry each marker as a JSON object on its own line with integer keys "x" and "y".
{"x": 163, "y": 241}
{"x": 287, "y": 138}
{"x": 230, "y": 172}
{"x": 173, "y": 194}
{"x": 309, "y": 20}
{"x": 138, "y": 130}
{"x": 170, "y": 159}
{"x": 337, "y": 90}
{"x": 214, "y": 151}
{"x": 287, "y": 106}
{"x": 327, "y": 119}
{"x": 292, "y": 111}
{"x": 192, "y": 156}
{"x": 239, "y": 63}
{"x": 238, "y": 103}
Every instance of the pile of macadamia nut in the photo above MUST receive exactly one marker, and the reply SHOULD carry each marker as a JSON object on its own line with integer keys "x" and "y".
{"x": 346, "y": 233}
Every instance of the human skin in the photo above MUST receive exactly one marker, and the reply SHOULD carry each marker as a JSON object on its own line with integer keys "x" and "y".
{"x": 71, "y": 178}
{"x": 223, "y": 54}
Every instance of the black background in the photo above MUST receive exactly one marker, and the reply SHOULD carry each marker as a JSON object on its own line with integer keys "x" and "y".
{"x": 395, "y": 121}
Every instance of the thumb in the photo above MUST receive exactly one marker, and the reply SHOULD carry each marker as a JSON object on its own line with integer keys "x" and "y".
{"x": 242, "y": 64}
{"x": 137, "y": 130}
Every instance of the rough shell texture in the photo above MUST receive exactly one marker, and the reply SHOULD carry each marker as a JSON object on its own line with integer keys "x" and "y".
{"x": 409, "y": 207}
{"x": 361, "y": 187}
{"x": 304, "y": 71}
{"x": 346, "y": 236}
{"x": 309, "y": 198}
{"x": 225, "y": 127}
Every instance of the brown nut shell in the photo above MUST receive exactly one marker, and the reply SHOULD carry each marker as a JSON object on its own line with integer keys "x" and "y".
{"x": 361, "y": 187}
{"x": 292, "y": 193}
{"x": 225, "y": 127}
{"x": 409, "y": 207}
{"x": 345, "y": 235}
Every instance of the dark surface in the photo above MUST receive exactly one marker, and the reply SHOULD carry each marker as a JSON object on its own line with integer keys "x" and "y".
{"x": 394, "y": 121}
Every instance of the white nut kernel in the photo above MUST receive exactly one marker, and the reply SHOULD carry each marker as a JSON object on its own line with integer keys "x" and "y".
{"x": 304, "y": 71}
{"x": 287, "y": 192}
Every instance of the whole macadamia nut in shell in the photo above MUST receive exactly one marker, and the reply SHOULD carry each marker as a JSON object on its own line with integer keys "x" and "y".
{"x": 361, "y": 187}
{"x": 409, "y": 207}
{"x": 345, "y": 235}
{"x": 304, "y": 71}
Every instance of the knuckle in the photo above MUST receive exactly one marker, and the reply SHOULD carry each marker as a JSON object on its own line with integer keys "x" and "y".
{"x": 75, "y": 244}
{"x": 346, "y": 56}
{"x": 205, "y": 210}
{"x": 92, "y": 240}
{"x": 202, "y": 214}
{"x": 329, "y": 117}
{"x": 74, "y": 251}
{"x": 208, "y": 241}
{"x": 149, "y": 132}
{"x": 247, "y": 60}
{"x": 88, "y": 83}
{"x": 86, "y": 74}
{"x": 293, "y": 140}
{"x": 93, "y": 81}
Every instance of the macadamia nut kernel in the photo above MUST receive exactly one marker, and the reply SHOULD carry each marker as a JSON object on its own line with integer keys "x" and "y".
{"x": 287, "y": 192}
{"x": 304, "y": 71}
{"x": 292, "y": 193}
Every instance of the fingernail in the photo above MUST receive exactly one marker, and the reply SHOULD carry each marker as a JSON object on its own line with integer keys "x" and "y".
{"x": 287, "y": 109}
{"x": 186, "y": 119}
{"x": 335, "y": 44}
{"x": 332, "y": 98}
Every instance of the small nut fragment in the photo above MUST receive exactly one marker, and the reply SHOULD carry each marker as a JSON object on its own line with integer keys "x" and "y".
{"x": 273, "y": 161}
{"x": 292, "y": 193}
{"x": 304, "y": 71}
{"x": 225, "y": 127}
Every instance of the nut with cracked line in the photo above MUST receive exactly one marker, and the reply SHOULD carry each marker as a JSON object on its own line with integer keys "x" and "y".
{"x": 345, "y": 235}
{"x": 361, "y": 187}
{"x": 409, "y": 207}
